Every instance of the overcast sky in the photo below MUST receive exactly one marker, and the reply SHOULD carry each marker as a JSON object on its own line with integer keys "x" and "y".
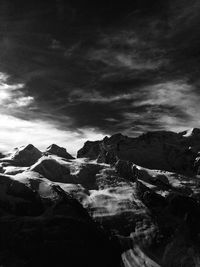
{"x": 77, "y": 70}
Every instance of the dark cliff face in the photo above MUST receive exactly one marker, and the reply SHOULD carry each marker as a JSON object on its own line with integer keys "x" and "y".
{"x": 168, "y": 151}
{"x": 90, "y": 150}
{"x": 58, "y": 151}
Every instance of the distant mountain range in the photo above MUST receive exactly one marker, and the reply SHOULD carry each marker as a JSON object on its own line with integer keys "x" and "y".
{"x": 123, "y": 202}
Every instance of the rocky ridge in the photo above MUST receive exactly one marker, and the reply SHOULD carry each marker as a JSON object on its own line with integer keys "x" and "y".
{"x": 108, "y": 207}
{"x": 175, "y": 152}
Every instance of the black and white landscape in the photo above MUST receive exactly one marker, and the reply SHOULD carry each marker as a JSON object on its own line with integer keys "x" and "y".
{"x": 117, "y": 84}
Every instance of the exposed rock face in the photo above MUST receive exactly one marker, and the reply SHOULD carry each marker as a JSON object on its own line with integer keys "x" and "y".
{"x": 90, "y": 150}
{"x": 52, "y": 170}
{"x": 176, "y": 152}
{"x": 58, "y": 151}
{"x": 26, "y": 156}
{"x": 71, "y": 172}
{"x": 147, "y": 207}
{"x": 86, "y": 175}
{"x": 126, "y": 169}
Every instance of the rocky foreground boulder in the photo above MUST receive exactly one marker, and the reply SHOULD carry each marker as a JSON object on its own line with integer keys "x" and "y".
{"x": 175, "y": 152}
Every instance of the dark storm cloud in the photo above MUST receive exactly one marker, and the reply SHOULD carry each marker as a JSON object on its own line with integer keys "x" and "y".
{"x": 100, "y": 65}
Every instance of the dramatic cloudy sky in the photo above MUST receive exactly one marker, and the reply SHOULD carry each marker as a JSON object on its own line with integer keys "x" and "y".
{"x": 77, "y": 70}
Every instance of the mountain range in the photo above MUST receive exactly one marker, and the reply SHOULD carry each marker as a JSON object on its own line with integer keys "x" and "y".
{"x": 123, "y": 201}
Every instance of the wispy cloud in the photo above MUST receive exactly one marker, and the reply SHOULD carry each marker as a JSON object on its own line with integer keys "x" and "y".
{"x": 22, "y": 101}
{"x": 11, "y": 95}
{"x": 172, "y": 105}
{"x": 174, "y": 93}
{"x": 96, "y": 97}
{"x": 126, "y": 59}
{"x": 126, "y": 49}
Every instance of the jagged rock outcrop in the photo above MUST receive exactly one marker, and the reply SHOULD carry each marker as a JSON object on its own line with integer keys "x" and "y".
{"x": 115, "y": 204}
{"x": 175, "y": 152}
{"x": 25, "y": 156}
{"x": 58, "y": 151}
{"x": 126, "y": 169}
{"x": 132, "y": 172}
{"x": 91, "y": 150}
{"x": 86, "y": 175}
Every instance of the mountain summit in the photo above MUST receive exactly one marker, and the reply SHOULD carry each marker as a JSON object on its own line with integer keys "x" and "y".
{"x": 163, "y": 150}
{"x": 123, "y": 202}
